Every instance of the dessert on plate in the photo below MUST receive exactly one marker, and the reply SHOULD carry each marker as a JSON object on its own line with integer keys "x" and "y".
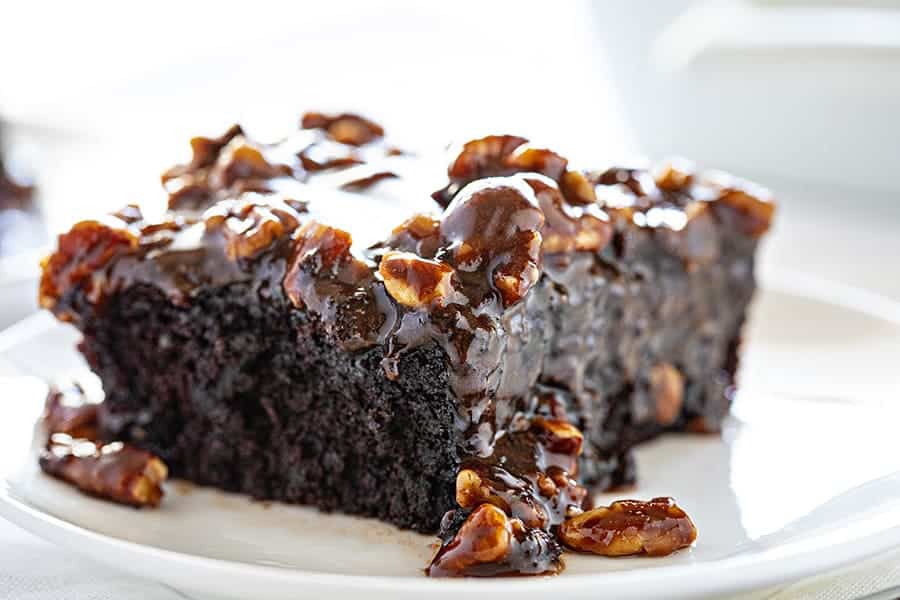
{"x": 468, "y": 351}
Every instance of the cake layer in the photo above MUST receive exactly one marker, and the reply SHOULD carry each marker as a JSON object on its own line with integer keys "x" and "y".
{"x": 254, "y": 343}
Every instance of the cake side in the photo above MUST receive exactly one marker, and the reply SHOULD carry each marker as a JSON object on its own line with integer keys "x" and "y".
{"x": 248, "y": 396}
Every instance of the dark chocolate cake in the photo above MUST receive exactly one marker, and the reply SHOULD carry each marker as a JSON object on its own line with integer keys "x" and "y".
{"x": 310, "y": 321}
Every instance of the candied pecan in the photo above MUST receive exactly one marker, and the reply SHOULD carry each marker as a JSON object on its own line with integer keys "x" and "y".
{"x": 420, "y": 234}
{"x": 85, "y": 249}
{"x": 415, "y": 281}
{"x": 487, "y": 543}
{"x": 559, "y": 436}
{"x": 567, "y": 227}
{"x": 636, "y": 180}
{"x": 656, "y": 528}
{"x": 471, "y": 490}
{"x": 326, "y": 154}
{"x": 485, "y": 537}
{"x": 251, "y": 224}
{"x": 362, "y": 183}
{"x": 493, "y": 226}
{"x": 346, "y": 128}
{"x": 244, "y": 162}
{"x": 330, "y": 246}
{"x": 189, "y": 192}
{"x": 536, "y": 160}
{"x": 114, "y": 471}
{"x": 321, "y": 254}
{"x": 667, "y": 391}
{"x": 482, "y": 157}
{"x": 528, "y": 474}
{"x": 675, "y": 175}
{"x": 205, "y": 151}
{"x": 751, "y": 214}
{"x": 577, "y": 188}
{"x": 69, "y": 411}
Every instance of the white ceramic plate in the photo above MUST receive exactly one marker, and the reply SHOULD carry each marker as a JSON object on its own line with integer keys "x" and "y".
{"x": 805, "y": 477}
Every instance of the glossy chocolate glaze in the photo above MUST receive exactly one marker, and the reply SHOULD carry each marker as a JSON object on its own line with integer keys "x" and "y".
{"x": 521, "y": 233}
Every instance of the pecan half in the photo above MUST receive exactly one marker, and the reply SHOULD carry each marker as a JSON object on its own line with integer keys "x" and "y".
{"x": 493, "y": 227}
{"x": 415, "y": 281}
{"x": 667, "y": 391}
{"x": 345, "y": 128}
{"x": 114, "y": 471}
{"x": 85, "y": 249}
{"x": 251, "y": 224}
{"x": 656, "y": 528}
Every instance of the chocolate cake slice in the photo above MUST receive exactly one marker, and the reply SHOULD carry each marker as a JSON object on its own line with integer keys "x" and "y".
{"x": 310, "y": 321}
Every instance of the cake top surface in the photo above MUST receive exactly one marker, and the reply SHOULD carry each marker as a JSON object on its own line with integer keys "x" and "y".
{"x": 339, "y": 194}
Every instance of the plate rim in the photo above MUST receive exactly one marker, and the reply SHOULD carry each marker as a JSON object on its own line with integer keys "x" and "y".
{"x": 788, "y": 562}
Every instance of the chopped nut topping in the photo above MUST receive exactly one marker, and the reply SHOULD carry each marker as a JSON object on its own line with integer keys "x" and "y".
{"x": 243, "y": 161}
{"x": 752, "y": 215}
{"x": 567, "y": 227}
{"x": 471, "y": 490}
{"x": 414, "y": 281}
{"x": 536, "y": 160}
{"x": 656, "y": 528}
{"x": 558, "y": 436}
{"x": 322, "y": 256}
{"x": 328, "y": 245}
{"x": 251, "y": 224}
{"x": 326, "y": 154}
{"x": 577, "y": 189}
{"x": 667, "y": 390}
{"x": 80, "y": 253}
{"x": 363, "y": 183}
{"x": 483, "y": 157}
{"x": 68, "y": 411}
{"x": 205, "y": 153}
{"x": 420, "y": 233}
{"x": 221, "y": 167}
{"x": 346, "y": 128}
{"x": 493, "y": 227}
{"x": 674, "y": 175}
{"x": 114, "y": 471}
{"x": 485, "y": 537}
{"x": 206, "y": 150}
{"x": 488, "y": 543}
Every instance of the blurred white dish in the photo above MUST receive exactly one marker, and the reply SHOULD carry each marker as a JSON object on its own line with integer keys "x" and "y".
{"x": 801, "y": 481}
{"x": 802, "y": 89}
